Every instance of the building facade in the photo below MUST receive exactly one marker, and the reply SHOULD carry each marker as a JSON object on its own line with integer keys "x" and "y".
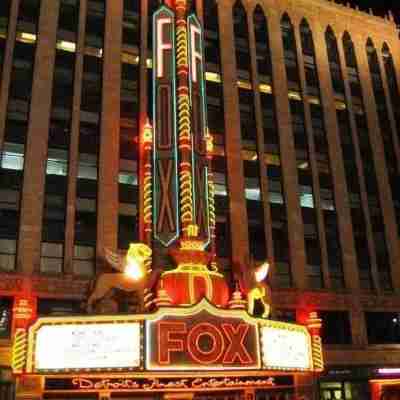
{"x": 304, "y": 107}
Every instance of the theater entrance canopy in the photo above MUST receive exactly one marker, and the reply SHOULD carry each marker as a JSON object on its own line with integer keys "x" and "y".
{"x": 188, "y": 349}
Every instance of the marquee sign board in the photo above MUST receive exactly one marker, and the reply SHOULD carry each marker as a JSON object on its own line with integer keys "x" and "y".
{"x": 88, "y": 346}
{"x": 295, "y": 344}
{"x": 200, "y": 338}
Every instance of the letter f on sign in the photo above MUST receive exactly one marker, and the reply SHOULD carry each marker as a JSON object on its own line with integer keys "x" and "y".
{"x": 195, "y": 37}
{"x": 171, "y": 337}
{"x": 163, "y": 44}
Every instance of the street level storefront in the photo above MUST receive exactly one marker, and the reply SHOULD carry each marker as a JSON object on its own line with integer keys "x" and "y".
{"x": 361, "y": 382}
{"x": 196, "y": 350}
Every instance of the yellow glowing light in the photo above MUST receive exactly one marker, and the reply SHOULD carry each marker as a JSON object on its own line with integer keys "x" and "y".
{"x": 129, "y": 58}
{"x": 340, "y": 105}
{"x": 137, "y": 254}
{"x": 314, "y": 100}
{"x": 133, "y": 269}
{"x": 294, "y": 95}
{"x": 148, "y": 133}
{"x": 27, "y": 37}
{"x": 193, "y": 230}
{"x": 303, "y": 165}
{"x": 244, "y": 84}
{"x": 209, "y": 142}
{"x": 213, "y": 77}
{"x": 272, "y": 159}
{"x": 66, "y": 46}
{"x": 265, "y": 88}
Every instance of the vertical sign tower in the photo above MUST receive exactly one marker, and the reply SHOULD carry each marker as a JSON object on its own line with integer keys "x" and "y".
{"x": 183, "y": 201}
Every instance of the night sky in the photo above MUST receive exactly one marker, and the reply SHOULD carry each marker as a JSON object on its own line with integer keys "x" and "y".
{"x": 379, "y": 7}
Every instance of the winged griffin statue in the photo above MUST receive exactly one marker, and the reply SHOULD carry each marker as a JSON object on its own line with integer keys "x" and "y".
{"x": 133, "y": 274}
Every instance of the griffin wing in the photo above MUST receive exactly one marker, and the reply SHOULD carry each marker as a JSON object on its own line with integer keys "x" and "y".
{"x": 114, "y": 259}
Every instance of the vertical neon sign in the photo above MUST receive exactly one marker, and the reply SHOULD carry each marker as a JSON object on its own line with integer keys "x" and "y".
{"x": 165, "y": 163}
{"x": 199, "y": 127}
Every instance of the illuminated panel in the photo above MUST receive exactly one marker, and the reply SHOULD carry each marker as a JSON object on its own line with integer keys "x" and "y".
{"x": 285, "y": 349}
{"x": 199, "y": 126}
{"x": 388, "y": 371}
{"x": 201, "y": 341}
{"x": 165, "y": 182}
{"x": 87, "y": 346}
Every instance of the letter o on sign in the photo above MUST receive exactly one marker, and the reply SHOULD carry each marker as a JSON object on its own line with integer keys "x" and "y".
{"x": 210, "y": 355}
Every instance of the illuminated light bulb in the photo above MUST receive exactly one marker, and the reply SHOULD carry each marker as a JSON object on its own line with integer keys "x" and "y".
{"x": 147, "y": 134}
{"x": 133, "y": 269}
{"x": 28, "y": 37}
{"x": 209, "y": 142}
{"x": 261, "y": 272}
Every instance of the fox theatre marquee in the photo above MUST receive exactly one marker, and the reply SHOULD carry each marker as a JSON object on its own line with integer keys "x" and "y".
{"x": 195, "y": 332}
{"x": 197, "y": 348}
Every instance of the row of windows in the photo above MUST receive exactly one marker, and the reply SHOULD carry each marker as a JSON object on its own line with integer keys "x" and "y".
{"x": 381, "y": 327}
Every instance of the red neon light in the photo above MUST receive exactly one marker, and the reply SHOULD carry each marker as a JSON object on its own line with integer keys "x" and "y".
{"x": 168, "y": 344}
{"x": 236, "y": 348}
{"x": 205, "y": 356}
{"x": 226, "y": 343}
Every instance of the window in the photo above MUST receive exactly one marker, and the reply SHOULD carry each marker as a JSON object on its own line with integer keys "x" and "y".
{"x": 264, "y": 66}
{"x": 130, "y": 24}
{"x": 289, "y": 48}
{"x": 255, "y": 210}
{"x": 286, "y": 315}
{"x": 29, "y": 12}
{"x": 51, "y": 261}
{"x": 95, "y": 24}
{"x": 4, "y": 16}
{"x": 5, "y": 317}
{"x": 383, "y": 327}
{"x": 129, "y": 112}
{"x": 47, "y": 307}
{"x": 68, "y": 19}
{"x": 127, "y": 230}
{"x": 215, "y": 111}
{"x": 223, "y": 237}
{"x": 335, "y": 327}
{"x": 211, "y": 36}
{"x": 241, "y": 40}
{"x": 84, "y": 260}
{"x": 279, "y": 223}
